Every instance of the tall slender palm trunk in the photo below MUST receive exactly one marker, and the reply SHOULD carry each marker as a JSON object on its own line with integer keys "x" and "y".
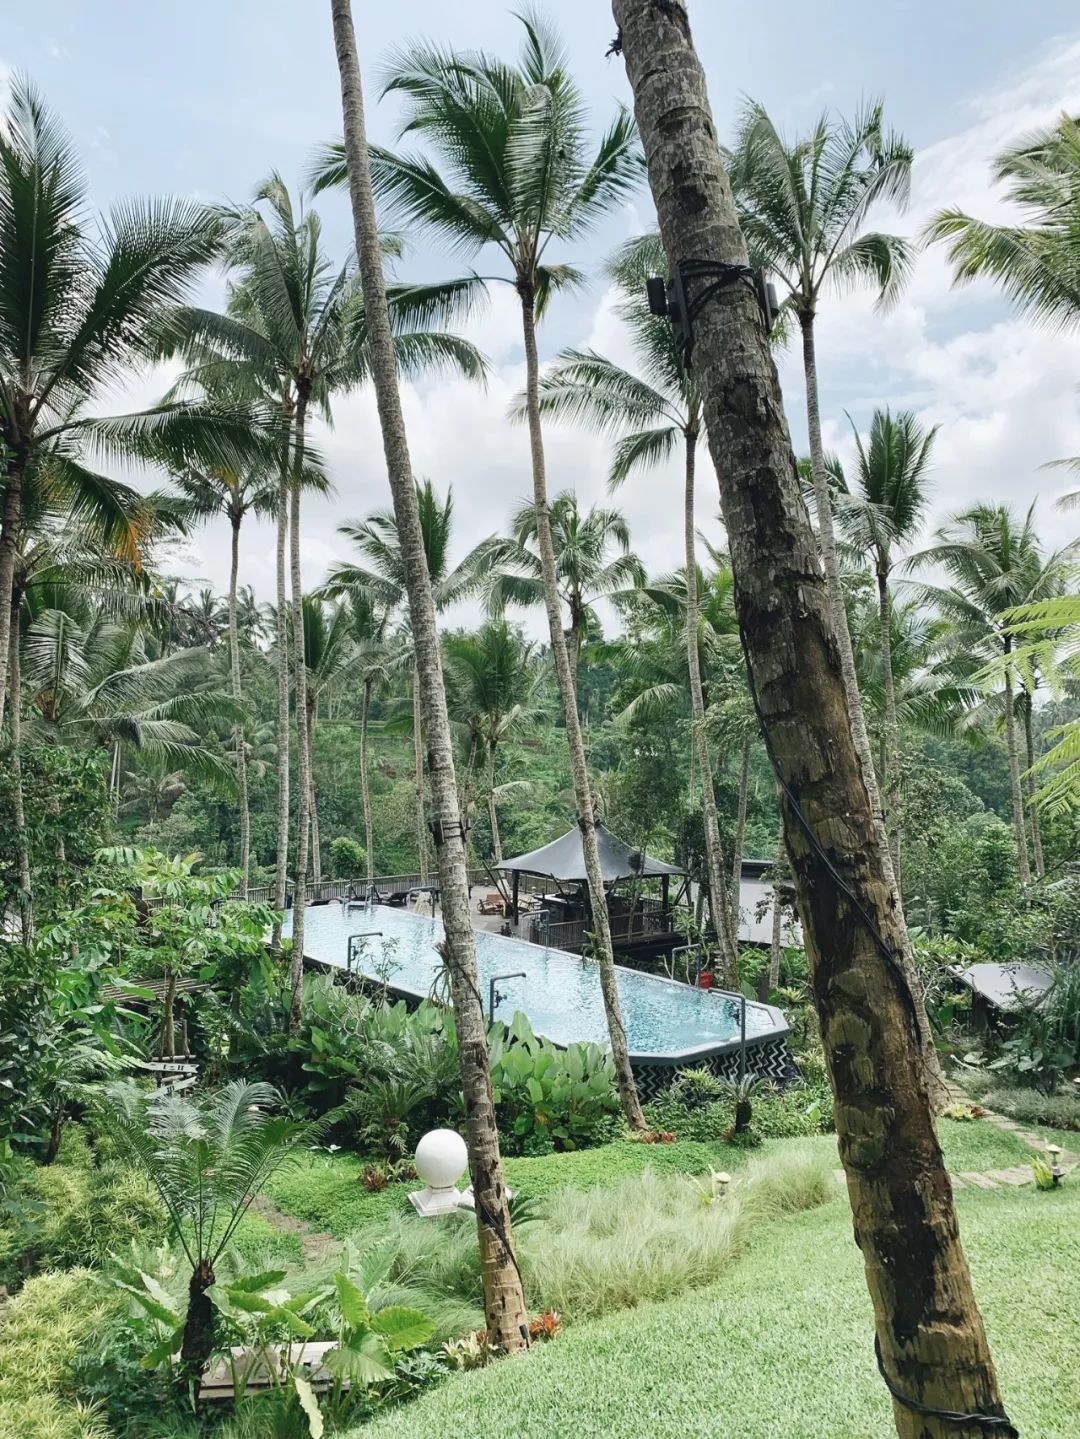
{"x": 777, "y": 934}
{"x": 930, "y": 1336}
{"x": 1029, "y": 782}
{"x": 568, "y": 690}
{"x": 493, "y": 809}
{"x": 22, "y": 838}
{"x": 739, "y": 845}
{"x": 714, "y": 849}
{"x": 418, "y": 777}
{"x": 365, "y": 787}
{"x": 281, "y": 872}
{"x": 891, "y": 738}
{"x": 238, "y": 699}
{"x": 303, "y": 745}
{"x": 826, "y": 540}
{"x": 504, "y": 1300}
{"x": 9, "y": 545}
{"x": 1016, "y": 791}
{"x": 313, "y": 808}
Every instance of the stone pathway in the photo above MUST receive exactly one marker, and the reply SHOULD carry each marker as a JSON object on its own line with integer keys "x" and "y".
{"x": 997, "y": 1178}
{"x": 315, "y": 1243}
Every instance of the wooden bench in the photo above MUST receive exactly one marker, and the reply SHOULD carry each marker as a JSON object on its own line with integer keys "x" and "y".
{"x": 263, "y": 1369}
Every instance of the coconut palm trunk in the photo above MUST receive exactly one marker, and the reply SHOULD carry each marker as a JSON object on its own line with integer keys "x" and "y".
{"x": 303, "y": 745}
{"x": 281, "y": 873}
{"x": 891, "y": 738}
{"x": 238, "y": 698}
{"x": 1016, "y": 791}
{"x": 738, "y": 846}
{"x": 568, "y": 691}
{"x": 22, "y": 839}
{"x": 933, "y": 1347}
{"x": 418, "y": 776}
{"x": 313, "y": 808}
{"x": 714, "y": 852}
{"x": 493, "y": 810}
{"x": 777, "y": 934}
{"x": 826, "y": 539}
{"x": 365, "y": 787}
{"x": 1029, "y": 780}
{"x": 504, "y": 1302}
{"x": 9, "y": 544}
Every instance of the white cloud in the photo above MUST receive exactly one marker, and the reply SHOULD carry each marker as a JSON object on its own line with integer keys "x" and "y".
{"x": 1003, "y": 392}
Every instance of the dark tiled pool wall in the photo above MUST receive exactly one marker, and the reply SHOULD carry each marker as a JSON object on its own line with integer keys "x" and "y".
{"x": 765, "y": 1058}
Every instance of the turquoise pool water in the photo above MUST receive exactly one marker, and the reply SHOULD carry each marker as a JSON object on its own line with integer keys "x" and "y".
{"x": 560, "y": 994}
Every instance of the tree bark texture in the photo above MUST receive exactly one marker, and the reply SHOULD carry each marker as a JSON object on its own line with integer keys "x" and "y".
{"x": 1029, "y": 781}
{"x": 281, "y": 873}
{"x": 238, "y": 700}
{"x": 891, "y": 767}
{"x": 22, "y": 839}
{"x": 739, "y": 846}
{"x": 418, "y": 776}
{"x": 313, "y": 808}
{"x": 303, "y": 746}
{"x": 197, "y": 1344}
{"x": 1016, "y": 792}
{"x": 714, "y": 850}
{"x": 504, "y": 1302}
{"x": 493, "y": 812}
{"x": 777, "y": 934}
{"x": 9, "y": 545}
{"x": 933, "y": 1345}
{"x": 568, "y": 690}
{"x": 365, "y": 787}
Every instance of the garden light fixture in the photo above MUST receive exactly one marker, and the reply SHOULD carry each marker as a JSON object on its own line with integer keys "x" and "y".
{"x": 441, "y": 1159}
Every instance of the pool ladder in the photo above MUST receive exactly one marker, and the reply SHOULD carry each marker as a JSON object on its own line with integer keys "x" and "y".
{"x": 496, "y": 996}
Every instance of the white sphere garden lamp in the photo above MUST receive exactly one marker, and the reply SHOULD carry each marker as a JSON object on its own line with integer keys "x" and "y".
{"x": 441, "y": 1159}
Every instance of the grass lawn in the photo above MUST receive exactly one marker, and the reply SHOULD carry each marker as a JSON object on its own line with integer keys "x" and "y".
{"x": 781, "y": 1346}
{"x": 325, "y": 1190}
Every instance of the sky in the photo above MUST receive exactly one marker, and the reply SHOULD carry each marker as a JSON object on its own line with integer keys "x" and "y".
{"x": 206, "y": 98}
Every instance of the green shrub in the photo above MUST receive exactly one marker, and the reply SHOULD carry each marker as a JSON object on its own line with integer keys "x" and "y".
{"x": 46, "y": 1327}
{"x": 348, "y": 858}
{"x": 1061, "y": 1111}
{"x": 548, "y": 1097}
{"x": 92, "y": 1213}
{"x": 792, "y": 1113}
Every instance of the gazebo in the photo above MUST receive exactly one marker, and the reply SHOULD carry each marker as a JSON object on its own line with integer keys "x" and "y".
{"x": 566, "y": 899}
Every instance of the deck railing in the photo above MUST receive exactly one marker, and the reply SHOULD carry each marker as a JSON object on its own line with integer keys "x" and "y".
{"x": 570, "y": 934}
{"x": 329, "y": 889}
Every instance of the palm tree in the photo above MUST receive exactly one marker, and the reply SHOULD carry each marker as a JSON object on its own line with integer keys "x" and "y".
{"x": 517, "y": 175}
{"x": 1047, "y": 635}
{"x": 932, "y": 1344}
{"x": 995, "y": 563}
{"x": 93, "y": 680}
{"x": 79, "y": 309}
{"x": 886, "y": 511}
{"x": 207, "y": 1158}
{"x": 367, "y": 625}
{"x": 383, "y": 579}
{"x": 1035, "y": 263}
{"x": 234, "y": 494}
{"x": 650, "y": 414}
{"x": 297, "y": 331}
{"x": 494, "y": 679}
{"x": 593, "y": 560}
{"x": 802, "y": 206}
{"x": 504, "y": 1301}
{"x": 330, "y": 656}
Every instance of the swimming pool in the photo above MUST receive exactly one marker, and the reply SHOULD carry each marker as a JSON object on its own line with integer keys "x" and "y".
{"x": 667, "y": 1023}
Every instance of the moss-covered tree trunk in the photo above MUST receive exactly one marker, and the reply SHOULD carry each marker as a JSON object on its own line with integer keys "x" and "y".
{"x": 504, "y": 1300}
{"x": 933, "y": 1346}
{"x": 1012, "y": 747}
{"x": 365, "y": 787}
{"x": 1029, "y": 782}
{"x": 303, "y": 746}
{"x": 281, "y": 642}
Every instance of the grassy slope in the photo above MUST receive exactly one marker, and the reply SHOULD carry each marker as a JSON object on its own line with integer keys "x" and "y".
{"x": 780, "y": 1347}
{"x": 325, "y": 1190}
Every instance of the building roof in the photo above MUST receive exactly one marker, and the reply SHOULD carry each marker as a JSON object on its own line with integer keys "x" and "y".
{"x": 564, "y": 859}
{"x": 1007, "y": 986}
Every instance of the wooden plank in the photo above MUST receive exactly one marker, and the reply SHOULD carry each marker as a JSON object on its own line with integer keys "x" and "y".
{"x": 217, "y": 1383}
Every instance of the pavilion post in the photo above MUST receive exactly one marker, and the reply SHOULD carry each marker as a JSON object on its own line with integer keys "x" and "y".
{"x": 514, "y": 900}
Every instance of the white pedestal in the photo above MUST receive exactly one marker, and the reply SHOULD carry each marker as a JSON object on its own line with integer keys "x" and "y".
{"x": 431, "y": 1203}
